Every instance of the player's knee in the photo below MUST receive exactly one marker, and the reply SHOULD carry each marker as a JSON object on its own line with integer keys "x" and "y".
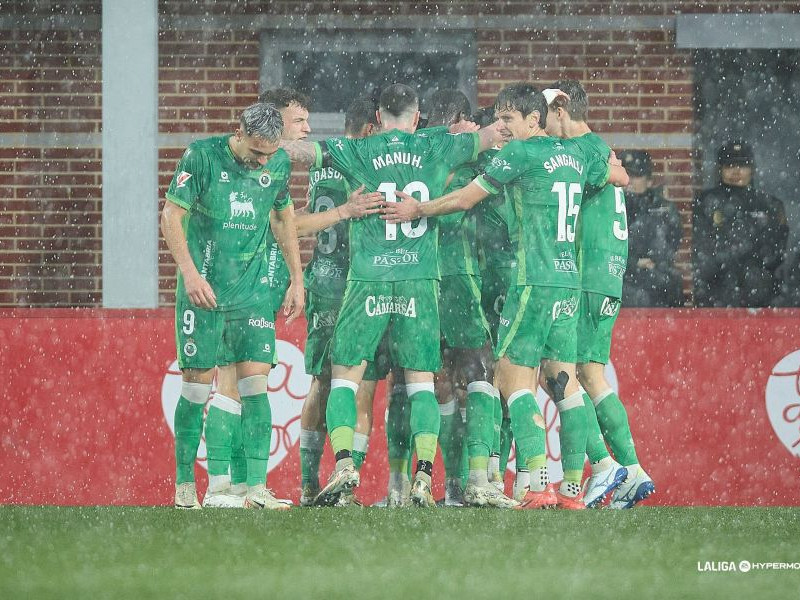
{"x": 254, "y": 385}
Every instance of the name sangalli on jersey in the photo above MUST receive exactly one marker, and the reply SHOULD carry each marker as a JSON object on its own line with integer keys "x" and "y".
{"x": 397, "y": 158}
{"x": 562, "y": 160}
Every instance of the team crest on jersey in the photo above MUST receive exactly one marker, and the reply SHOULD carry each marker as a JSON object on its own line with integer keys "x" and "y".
{"x": 224, "y": 177}
{"x": 338, "y": 143}
{"x": 183, "y": 177}
{"x": 265, "y": 179}
{"x": 241, "y": 205}
{"x": 500, "y": 163}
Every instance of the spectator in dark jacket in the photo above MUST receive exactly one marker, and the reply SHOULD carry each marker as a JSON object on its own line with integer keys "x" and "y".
{"x": 739, "y": 236}
{"x": 654, "y": 233}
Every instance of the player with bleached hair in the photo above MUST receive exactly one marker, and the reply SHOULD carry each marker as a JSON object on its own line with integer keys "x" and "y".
{"x": 226, "y": 193}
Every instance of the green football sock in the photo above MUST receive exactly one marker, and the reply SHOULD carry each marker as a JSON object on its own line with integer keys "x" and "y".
{"x": 256, "y": 427}
{"x": 613, "y": 420}
{"x": 424, "y": 419}
{"x": 480, "y": 423}
{"x": 595, "y": 444}
{"x": 505, "y": 443}
{"x": 360, "y": 446}
{"x": 223, "y": 414}
{"x": 312, "y": 444}
{"x": 398, "y": 430}
{"x": 497, "y": 425}
{"x": 340, "y": 415}
{"x": 238, "y": 459}
{"x": 464, "y": 460}
{"x": 450, "y": 439}
{"x": 528, "y": 427}
{"x": 572, "y": 436}
{"x": 189, "y": 428}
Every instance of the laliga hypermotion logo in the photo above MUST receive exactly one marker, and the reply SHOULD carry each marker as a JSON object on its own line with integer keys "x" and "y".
{"x": 783, "y": 401}
{"x": 553, "y": 427}
{"x": 288, "y": 386}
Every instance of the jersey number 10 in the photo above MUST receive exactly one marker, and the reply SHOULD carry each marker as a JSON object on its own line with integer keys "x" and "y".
{"x": 389, "y": 189}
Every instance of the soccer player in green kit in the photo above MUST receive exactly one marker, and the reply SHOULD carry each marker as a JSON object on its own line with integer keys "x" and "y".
{"x": 603, "y": 251}
{"x": 544, "y": 179}
{"x": 393, "y": 278}
{"x": 465, "y": 336}
{"x": 226, "y": 465}
{"x": 325, "y": 279}
{"x": 224, "y": 195}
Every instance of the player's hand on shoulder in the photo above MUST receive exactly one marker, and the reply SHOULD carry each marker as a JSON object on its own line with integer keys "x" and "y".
{"x": 294, "y": 302}
{"x": 407, "y": 208}
{"x": 199, "y": 291}
{"x": 613, "y": 160}
{"x": 361, "y": 203}
{"x": 464, "y": 126}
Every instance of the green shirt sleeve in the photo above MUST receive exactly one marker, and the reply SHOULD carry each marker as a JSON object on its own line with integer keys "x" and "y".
{"x": 457, "y": 149}
{"x": 505, "y": 167}
{"x": 189, "y": 181}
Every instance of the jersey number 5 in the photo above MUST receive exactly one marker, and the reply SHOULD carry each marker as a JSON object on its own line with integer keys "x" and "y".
{"x": 620, "y": 227}
{"x": 566, "y": 209}
{"x": 389, "y": 189}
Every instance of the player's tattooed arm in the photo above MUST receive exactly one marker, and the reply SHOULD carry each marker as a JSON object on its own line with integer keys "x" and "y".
{"x": 359, "y": 204}
{"x": 197, "y": 288}
{"x": 285, "y": 230}
{"x": 409, "y": 208}
{"x": 300, "y": 151}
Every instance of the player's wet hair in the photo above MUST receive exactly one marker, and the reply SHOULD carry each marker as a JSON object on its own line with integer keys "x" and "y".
{"x": 484, "y": 116}
{"x": 578, "y": 104}
{"x": 447, "y": 107}
{"x": 524, "y": 97}
{"x": 359, "y": 113}
{"x": 262, "y": 120}
{"x": 283, "y": 97}
{"x": 398, "y": 100}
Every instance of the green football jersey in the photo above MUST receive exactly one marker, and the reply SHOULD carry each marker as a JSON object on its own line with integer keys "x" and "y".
{"x": 277, "y": 269}
{"x": 458, "y": 252}
{"x": 494, "y": 220}
{"x": 326, "y": 274}
{"x": 602, "y": 240}
{"x": 228, "y": 220}
{"x": 415, "y": 163}
{"x": 543, "y": 178}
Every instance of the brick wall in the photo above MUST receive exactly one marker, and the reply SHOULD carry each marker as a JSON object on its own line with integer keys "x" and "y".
{"x": 50, "y": 223}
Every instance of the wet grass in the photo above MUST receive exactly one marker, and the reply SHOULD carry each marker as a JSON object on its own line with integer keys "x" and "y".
{"x": 136, "y": 552}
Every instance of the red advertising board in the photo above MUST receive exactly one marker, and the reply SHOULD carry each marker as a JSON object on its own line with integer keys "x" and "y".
{"x": 713, "y": 398}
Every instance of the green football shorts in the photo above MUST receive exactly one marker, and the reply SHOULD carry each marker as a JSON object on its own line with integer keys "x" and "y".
{"x": 406, "y": 311}
{"x": 204, "y": 337}
{"x": 538, "y": 322}
{"x": 597, "y": 315}
{"x": 495, "y": 284}
{"x": 462, "y": 320}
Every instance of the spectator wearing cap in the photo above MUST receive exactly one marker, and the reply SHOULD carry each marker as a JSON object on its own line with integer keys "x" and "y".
{"x": 654, "y": 233}
{"x": 739, "y": 236}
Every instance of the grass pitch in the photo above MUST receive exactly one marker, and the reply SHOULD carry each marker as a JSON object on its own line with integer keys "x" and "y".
{"x": 127, "y": 552}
